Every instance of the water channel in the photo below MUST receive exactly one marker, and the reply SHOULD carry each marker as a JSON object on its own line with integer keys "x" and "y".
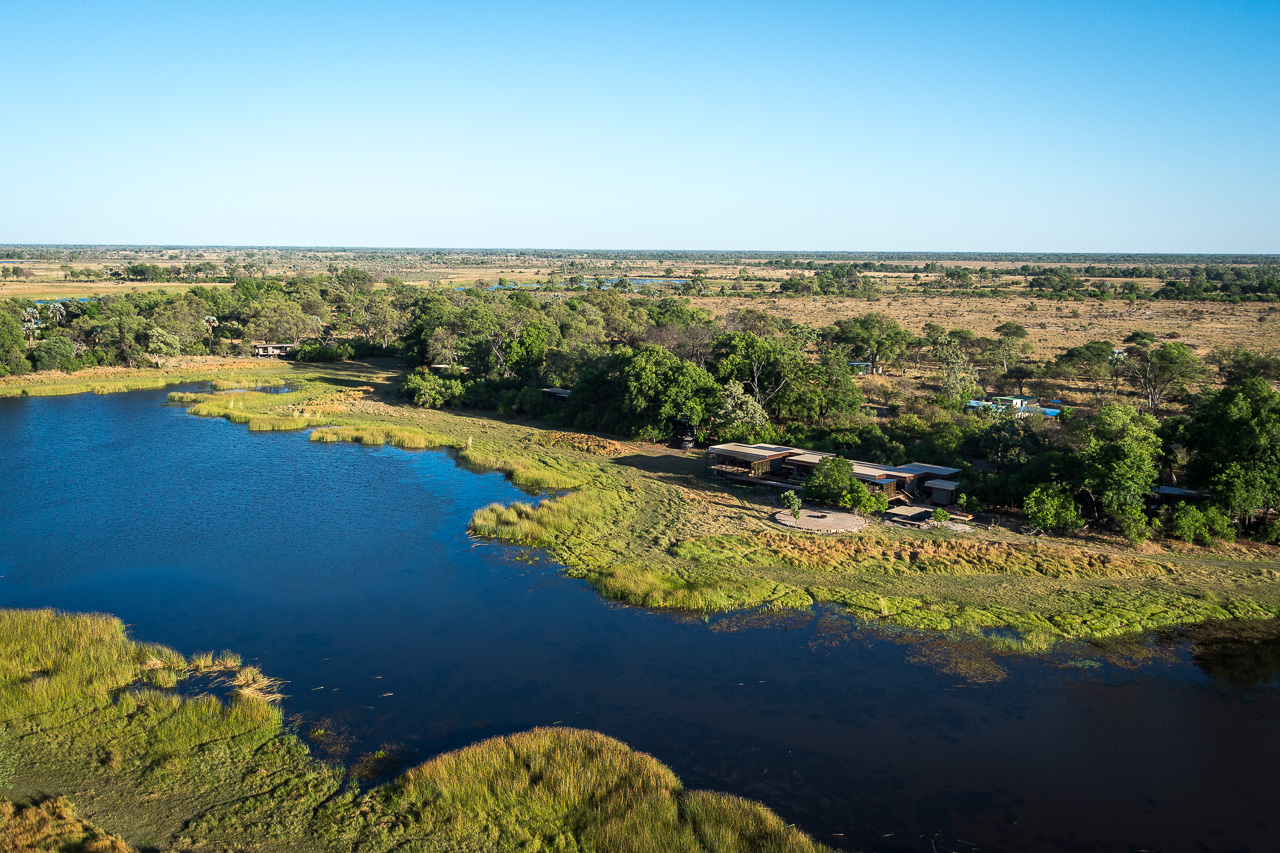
{"x": 347, "y": 571}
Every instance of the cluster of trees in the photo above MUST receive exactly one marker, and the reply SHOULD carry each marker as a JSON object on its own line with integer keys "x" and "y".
{"x": 340, "y": 313}
{"x": 1105, "y": 466}
{"x": 636, "y": 366}
{"x": 15, "y": 272}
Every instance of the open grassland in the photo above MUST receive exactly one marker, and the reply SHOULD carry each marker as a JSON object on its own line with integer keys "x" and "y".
{"x": 643, "y": 526}
{"x": 81, "y": 717}
{"x": 1053, "y": 326}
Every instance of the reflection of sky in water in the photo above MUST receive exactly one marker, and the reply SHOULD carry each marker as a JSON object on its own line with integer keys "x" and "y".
{"x": 347, "y": 571}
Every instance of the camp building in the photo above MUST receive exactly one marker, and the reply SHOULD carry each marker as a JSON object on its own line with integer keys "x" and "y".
{"x": 779, "y": 466}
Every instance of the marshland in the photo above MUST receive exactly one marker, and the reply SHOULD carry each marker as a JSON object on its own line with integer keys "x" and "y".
{"x": 872, "y": 691}
{"x": 364, "y": 560}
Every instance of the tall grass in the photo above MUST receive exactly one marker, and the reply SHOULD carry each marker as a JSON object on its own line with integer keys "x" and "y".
{"x": 567, "y": 789}
{"x": 228, "y": 777}
{"x": 397, "y": 436}
{"x": 547, "y": 523}
{"x": 538, "y": 470}
{"x": 247, "y": 382}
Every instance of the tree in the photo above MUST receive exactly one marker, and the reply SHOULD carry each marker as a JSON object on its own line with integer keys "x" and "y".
{"x": 1051, "y": 507}
{"x": 13, "y": 349}
{"x": 871, "y": 337}
{"x": 1119, "y": 467}
{"x": 791, "y": 501}
{"x": 426, "y": 389}
{"x": 958, "y": 383}
{"x": 54, "y": 354}
{"x": 1159, "y": 371}
{"x": 1233, "y": 441}
{"x": 739, "y": 417}
{"x": 1019, "y": 374}
{"x": 833, "y": 481}
{"x": 760, "y": 364}
{"x": 641, "y": 393}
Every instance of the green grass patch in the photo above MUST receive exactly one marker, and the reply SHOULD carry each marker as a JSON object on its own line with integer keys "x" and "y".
{"x": 79, "y": 710}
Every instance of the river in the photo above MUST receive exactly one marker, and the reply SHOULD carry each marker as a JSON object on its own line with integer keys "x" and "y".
{"x": 347, "y": 571}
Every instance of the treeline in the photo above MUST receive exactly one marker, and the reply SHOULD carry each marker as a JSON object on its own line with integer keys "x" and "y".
{"x": 338, "y": 314}
{"x": 653, "y": 366}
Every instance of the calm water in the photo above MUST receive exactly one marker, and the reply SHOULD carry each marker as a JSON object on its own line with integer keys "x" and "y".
{"x": 347, "y": 571}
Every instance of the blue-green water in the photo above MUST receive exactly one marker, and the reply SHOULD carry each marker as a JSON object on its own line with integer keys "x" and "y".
{"x": 347, "y": 570}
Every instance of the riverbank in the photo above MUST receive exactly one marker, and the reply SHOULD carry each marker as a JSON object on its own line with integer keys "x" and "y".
{"x": 643, "y": 525}
{"x": 152, "y": 750}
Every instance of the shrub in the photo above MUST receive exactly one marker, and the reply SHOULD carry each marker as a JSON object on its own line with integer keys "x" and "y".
{"x": 830, "y": 480}
{"x": 1191, "y": 524}
{"x": 940, "y": 515}
{"x": 426, "y": 389}
{"x": 322, "y": 352}
{"x": 54, "y": 354}
{"x": 1219, "y": 524}
{"x": 1051, "y": 507}
{"x": 1187, "y": 523}
{"x": 1134, "y": 525}
{"x": 524, "y": 401}
{"x": 791, "y": 501}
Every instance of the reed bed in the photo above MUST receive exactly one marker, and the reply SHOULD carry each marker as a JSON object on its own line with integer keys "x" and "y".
{"x": 540, "y": 471}
{"x": 567, "y": 789}
{"x": 871, "y": 553}
{"x": 247, "y": 382}
{"x": 552, "y": 521}
{"x": 179, "y": 772}
{"x": 405, "y": 437}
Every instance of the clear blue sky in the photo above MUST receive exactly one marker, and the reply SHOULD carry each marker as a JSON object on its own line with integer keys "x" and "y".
{"x": 1022, "y": 126}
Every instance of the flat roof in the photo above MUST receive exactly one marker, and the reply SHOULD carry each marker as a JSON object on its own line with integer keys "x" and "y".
{"x": 945, "y": 485}
{"x": 1174, "y": 491}
{"x": 807, "y": 458}
{"x": 745, "y": 451}
{"x": 922, "y": 468}
{"x": 908, "y": 512}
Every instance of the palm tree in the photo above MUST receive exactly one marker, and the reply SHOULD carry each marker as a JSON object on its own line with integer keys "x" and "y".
{"x": 209, "y": 323}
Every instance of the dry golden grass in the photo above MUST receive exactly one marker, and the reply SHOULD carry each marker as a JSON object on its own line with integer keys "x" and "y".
{"x": 52, "y": 825}
{"x": 1052, "y": 328}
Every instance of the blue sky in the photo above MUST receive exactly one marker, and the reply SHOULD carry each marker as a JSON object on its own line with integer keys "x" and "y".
{"x": 959, "y": 126}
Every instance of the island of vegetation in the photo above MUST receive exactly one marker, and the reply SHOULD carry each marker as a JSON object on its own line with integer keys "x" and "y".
{"x": 573, "y": 375}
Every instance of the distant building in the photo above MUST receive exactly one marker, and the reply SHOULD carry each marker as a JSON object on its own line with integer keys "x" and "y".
{"x": 272, "y": 350}
{"x": 1020, "y": 404}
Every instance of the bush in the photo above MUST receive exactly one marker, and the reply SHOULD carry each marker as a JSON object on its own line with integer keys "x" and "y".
{"x": 1134, "y": 525}
{"x": 1187, "y": 523}
{"x": 1219, "y": 524}
{"x": 1051, "y": 507}
{"x": 322, "y": 352}
{"x": 524, "y": 401}
{"x": 426, "y": 389}
{"x": 940, "y": 515}
{"x": 1191, "y": 524}
{"x": 55, "y": 354}
{"x": 791, "y": 501}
